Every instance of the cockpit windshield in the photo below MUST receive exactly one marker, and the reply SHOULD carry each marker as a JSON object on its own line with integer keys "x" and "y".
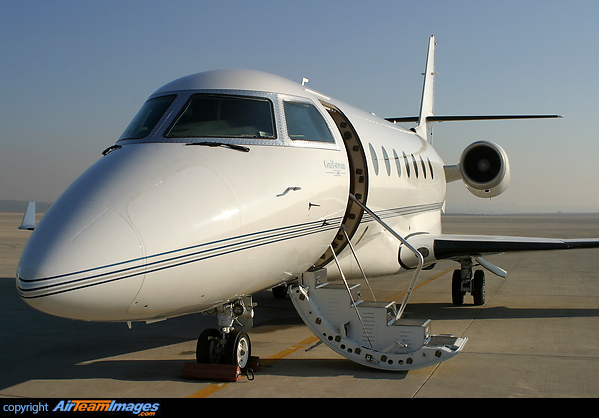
{"x": 305, "y": 123}
{"x": 224, "y": 116}
{"x": 147, "y": 117}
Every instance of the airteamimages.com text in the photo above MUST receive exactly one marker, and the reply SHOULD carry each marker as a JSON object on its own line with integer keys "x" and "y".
{"x": 142, "y": 409}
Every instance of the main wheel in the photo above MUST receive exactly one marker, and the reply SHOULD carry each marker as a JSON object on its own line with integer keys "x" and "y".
{"x": 478, "y": 287}
{"x": 208, "y": 350}
{"x": 238, "y": 349}
{"x": 457, "y": 295}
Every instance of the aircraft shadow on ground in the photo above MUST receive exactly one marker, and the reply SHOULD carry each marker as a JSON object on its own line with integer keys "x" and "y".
{"x": 43, "y": 347}
{"x": 40, "y": 346}
{"x": 447, "y": 311}
{"x": 324, "y": 367}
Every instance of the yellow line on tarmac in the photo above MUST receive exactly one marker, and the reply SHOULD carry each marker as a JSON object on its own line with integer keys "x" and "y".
{"x": 215, "y": 387}
{"x": 209, "y": 390}
{"x": 289, "y": 351}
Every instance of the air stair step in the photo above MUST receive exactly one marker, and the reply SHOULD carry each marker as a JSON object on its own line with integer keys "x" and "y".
{"x": 367, "y": 332}
{"x": 335, "y": 302}
{"x": 383, "y": 312}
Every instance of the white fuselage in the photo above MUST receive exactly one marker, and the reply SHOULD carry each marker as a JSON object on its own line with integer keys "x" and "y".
{"x": 166, "y": 225}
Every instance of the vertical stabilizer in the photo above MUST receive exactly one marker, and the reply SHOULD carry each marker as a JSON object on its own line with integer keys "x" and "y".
{"x": 29, "y": 217}
{"x": 424, "y": 127}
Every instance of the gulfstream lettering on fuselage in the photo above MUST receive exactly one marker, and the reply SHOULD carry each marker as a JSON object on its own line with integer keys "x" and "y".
{"x": 336, "y": 167}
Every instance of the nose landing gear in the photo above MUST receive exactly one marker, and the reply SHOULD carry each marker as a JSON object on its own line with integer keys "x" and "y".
{"x": 232, "y": 348}
{"x": 228, "y": 345}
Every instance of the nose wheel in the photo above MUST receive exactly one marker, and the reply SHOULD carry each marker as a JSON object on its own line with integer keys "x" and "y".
{"x": 209, "y": 347}
{"x": 234, "y": 348}
{"x": 228, "y": 345}
{"x": 238, "y": 349}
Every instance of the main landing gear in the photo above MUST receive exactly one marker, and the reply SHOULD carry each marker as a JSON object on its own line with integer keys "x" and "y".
{"x": 227, "y": 345}
{"x": 464, "y": 281}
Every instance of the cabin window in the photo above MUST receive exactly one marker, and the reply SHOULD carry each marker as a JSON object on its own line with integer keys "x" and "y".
{"x": 387, "y": 162}
{"x": 147, "y": 117}
{"x": 397, "y": 163}
{"x": 430, "y": 166}
{"x": 375, "y": 161}
{"x": 415, "y": 165}
{"x": 223, "y": 116}
{"x": 305, "y": 123}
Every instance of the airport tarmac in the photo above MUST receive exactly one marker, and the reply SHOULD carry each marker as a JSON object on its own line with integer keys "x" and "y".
{"x": 536, "y": 336}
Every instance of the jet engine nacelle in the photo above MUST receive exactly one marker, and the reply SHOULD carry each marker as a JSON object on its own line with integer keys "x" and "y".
{"x": 485, "y": 169}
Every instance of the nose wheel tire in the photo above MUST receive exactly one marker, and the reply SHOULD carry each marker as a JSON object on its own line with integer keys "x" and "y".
{"x": 238, "y": 349}
{"x": 235, "y": 349}
{"x": 208, "y": 347}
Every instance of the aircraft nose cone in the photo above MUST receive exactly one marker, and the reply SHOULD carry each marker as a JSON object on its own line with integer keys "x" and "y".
{"x": 83, "y": 263}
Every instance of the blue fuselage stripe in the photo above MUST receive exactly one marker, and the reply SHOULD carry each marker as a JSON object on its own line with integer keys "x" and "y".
{"x": 195, "y": 253}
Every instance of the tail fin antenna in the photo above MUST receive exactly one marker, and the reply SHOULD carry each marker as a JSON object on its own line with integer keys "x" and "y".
{"x": 424, "y": 128}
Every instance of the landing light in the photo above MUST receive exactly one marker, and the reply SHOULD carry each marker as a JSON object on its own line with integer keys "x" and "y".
{"x": 238, "y": 309}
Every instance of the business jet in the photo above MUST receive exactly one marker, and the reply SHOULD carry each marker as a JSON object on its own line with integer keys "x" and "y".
{"x": 231, "y": 182}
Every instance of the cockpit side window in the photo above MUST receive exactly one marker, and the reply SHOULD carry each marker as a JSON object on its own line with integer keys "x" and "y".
{"x": 224, "y": 116}
{"x": 305, "y": 123}
{"x": 147, "y": 117}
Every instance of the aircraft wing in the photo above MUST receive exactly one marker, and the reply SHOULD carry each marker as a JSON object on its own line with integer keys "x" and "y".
{"x": 460, "y": 247}
{"x": 455, "y": 246}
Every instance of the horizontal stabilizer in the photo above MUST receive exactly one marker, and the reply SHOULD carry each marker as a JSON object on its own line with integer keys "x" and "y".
{"x": 29, "y": 217}
{"x": 470, "y": 118}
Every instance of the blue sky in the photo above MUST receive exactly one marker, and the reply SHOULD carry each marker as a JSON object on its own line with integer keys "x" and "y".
{"x": 73, "y": 74}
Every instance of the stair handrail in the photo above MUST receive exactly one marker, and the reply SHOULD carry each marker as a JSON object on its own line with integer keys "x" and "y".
{"x": 351, "y": 297}
{"x": 404, "y": 242}
{"x": 351, "y": 247}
